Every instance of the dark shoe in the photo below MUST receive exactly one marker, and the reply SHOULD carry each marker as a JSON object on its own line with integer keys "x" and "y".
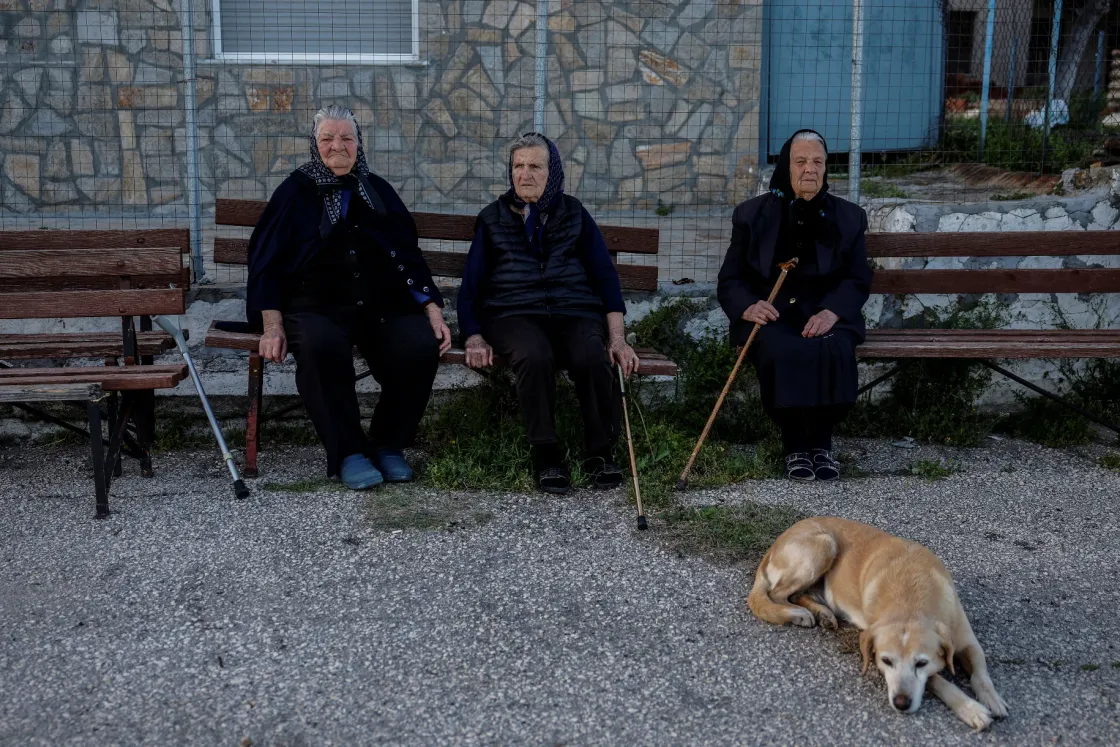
{"x": 554, "y": 480}
{"x": 604, "y": 473}
{"x": 357, "y": 473}
{"x": 393, "y": 465}
{"x": 799, "y": 468}
{"x": 825, "y": 467}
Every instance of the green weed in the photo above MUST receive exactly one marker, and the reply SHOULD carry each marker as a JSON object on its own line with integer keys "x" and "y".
{"x": 931, "y": 469}
{"x": 883, "y": 189}
{"x": 1111, "y": 461}
{"x": 1090, "y": 667}
{"x": 728, "y": 534}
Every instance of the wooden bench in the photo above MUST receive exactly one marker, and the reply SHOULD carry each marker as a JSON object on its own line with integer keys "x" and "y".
{"x": 429, "y": 226}
{"x": 88, "y": 274}
{"x": 988, "y": 345}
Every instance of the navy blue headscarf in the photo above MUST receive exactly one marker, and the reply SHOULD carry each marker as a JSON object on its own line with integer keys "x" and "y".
{"x": 331, "y": 186}
{"x": 553, "y": 191}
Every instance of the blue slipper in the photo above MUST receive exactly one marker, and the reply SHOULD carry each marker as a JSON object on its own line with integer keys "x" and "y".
{"x": 358, "y": 473}
{"x": 393, "y": 465}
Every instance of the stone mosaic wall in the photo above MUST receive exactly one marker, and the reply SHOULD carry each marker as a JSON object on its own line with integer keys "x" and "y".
{"x": 648, "y": 100}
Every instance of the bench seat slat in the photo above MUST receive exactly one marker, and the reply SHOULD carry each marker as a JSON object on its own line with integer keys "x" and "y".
{"x": 92, "y": 345}
{"x": 111, "y": 378}
{"x": 91, "y": 303}
{"x": 657, "y": 365}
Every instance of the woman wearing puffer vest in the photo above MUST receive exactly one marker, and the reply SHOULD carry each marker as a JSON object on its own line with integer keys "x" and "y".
{"x": 540, "y": 289}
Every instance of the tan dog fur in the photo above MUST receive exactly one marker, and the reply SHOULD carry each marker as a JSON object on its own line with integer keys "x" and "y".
{"x": 895, "y": 591}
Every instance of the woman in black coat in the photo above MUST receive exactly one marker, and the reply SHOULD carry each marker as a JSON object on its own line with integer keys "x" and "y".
{"x": 804, "y": 353}
{"x": 334, "y": 263}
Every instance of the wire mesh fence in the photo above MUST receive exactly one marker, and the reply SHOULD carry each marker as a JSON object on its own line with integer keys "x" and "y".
{"x": 135, "y": 113}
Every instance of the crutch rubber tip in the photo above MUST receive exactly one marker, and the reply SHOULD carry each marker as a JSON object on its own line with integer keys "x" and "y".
{"x": 642, "y": 523}
{"x": 240, "y": 489}
{"x": 682, "y": 484}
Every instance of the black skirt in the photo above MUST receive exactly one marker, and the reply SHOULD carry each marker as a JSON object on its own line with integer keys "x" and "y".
{"x": 796, "y": 371}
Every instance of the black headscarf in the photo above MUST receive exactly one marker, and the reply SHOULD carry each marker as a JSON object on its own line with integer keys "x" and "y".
{"x": 801, "y": 220}
{"x": 553, "y": 191}
{"x": 330, "y": 185}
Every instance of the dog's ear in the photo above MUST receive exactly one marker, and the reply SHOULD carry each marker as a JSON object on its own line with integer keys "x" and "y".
{"x": 947, "y": 650}
{"x": 866, "y": 649}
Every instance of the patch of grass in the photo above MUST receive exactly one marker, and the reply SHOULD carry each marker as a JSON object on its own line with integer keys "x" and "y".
{"x": 664, "y": 210}
{"x": 1096, "y": 389}
{"x": 1012, "y": 196}
{"x": 1111, "y": 461}
{"x": 390, "y": 509}
{"x": 1090, "y": 667}
{"x": 931, "y": 469}
{"x": 1116, "y": 665}
{"x": 882, "y": 189}
{"x": 727, "y": 534}
{"x": 60, "y": 437}
{"x": 301, "y": 486}
{"x": 1016, "y": 147}
{"x": 933, "y": 400}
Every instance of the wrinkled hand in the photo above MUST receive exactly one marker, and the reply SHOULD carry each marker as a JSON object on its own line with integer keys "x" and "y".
{"x": 274, "y": 345}
{"x": 443, "y": 334}
{"x": 760, "y": 313}
{"x": 624, "y": 357}
{"x": 479, "y": 353}
{"x": 819, "y": 323}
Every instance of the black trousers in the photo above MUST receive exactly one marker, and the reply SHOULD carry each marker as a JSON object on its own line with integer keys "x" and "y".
{"x": 807, "y": 428}
{"x": 537, "y": 346}
{"x": 401, "y": 352}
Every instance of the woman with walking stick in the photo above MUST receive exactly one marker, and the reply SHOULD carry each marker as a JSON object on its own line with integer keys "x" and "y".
{"x": 804, "y": 351}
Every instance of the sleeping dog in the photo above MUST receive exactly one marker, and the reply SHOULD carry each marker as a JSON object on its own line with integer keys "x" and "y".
{"x": 896, "y": 592}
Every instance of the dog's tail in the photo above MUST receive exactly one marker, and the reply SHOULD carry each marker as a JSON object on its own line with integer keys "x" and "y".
{"x": 763, "y": 607}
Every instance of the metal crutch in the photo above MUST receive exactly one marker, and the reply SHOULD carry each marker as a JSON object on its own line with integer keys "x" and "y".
{"x": 170, "y": 327}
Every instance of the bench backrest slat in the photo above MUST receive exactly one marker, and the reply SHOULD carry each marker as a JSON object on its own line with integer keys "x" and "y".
{"x": 993, "y": 244}
{"x": 442, "y": 227}
{"x": 63, "y": 264}
{"x": 953, "y": 282}
{"x": 92, "y": 303}
{"x": 66, "y": 239}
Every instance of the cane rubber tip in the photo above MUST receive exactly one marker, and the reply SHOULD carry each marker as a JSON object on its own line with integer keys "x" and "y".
{"x": 240, "y": 489}
{"x": 682, "y": 484}
{"x": 642, "y": 523}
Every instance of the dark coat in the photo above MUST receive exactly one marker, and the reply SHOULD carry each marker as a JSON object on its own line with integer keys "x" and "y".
{"x": 288, "y": 235}
{"x": 838, "y": 280}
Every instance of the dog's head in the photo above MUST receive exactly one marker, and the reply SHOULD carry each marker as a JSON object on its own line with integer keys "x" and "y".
{"x": 908, "y": 654}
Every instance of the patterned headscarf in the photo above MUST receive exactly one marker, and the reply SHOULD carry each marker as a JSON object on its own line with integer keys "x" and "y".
{"x": 331, "y": 185}
{"x": 553, "y": 190}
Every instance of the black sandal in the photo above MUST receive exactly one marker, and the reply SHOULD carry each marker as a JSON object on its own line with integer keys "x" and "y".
{"x": 554, "y": 480}
{"x": 827, "y": 469}
{"x": 799, "y": 468}
{"x": 605, "y": 474}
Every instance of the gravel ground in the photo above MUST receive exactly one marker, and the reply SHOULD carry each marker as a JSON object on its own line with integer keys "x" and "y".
{"x": 306, "y": 618}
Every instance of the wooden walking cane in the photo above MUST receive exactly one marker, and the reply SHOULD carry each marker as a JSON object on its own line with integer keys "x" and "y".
{"x": 682, "y": 483}
{"x": 633, "y": 462}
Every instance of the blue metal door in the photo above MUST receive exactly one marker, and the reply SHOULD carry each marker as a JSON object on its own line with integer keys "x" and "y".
{"x": 809, "y": 72}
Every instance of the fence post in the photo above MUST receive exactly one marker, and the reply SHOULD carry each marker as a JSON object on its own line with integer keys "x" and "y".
{"x": 855, "y": 148}
{"x": 986, "y": 88}
{"x": 190, "y": 104}
{"x": 541, "y": 89}
{"x": 1099, "y": 71}
{"x": 1011, "y": 79}
{"x": 1052, "y": 69}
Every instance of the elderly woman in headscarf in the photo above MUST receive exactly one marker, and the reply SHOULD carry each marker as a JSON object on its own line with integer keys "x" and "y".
{"x": 334, "y": 263}
{"x": 804, "y": 353}
{"x": 541, "y": 289}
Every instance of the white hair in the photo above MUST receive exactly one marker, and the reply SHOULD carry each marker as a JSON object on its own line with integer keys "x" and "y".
{"x": 529, "y": 140}
{"x": 334, "y": 113}
{"x": 811, "y": 137}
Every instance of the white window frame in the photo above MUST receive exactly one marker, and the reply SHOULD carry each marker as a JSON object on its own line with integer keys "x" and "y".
{"x": 305, "y": 58}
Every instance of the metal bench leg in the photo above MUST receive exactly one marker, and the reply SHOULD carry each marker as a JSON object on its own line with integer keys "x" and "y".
{"x": 118, "y": 434}
{"x": 252, "y": 418}
{"x": 145, "y": 420}
{"x": 898, "y": 366}
{"x": 1050, "y": 395}
{"x": 97, "y": 452}
{"x": 113, "y": 411}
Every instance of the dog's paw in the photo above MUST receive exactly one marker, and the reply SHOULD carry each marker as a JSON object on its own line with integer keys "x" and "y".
{"x": 974, "y": 714}
{"x": 802, "y": 618}
{"x": 996, "y": 704}
{"x": 828, "y": 620}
